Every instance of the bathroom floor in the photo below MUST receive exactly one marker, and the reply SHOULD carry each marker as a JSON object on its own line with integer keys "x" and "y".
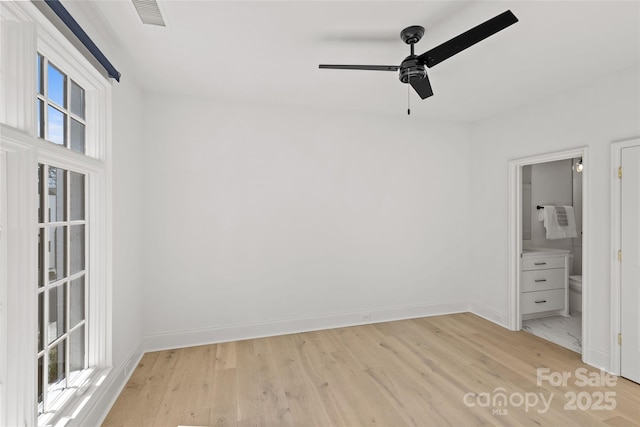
{"x": 561, "y": 330}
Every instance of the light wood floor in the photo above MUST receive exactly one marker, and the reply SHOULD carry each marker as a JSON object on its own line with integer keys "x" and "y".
{"x": 405, "y": 373}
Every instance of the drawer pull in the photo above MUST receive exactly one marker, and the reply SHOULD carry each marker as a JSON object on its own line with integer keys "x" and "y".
{"x": 539, "y": 263}
{"x": 540, "y": 280}
{"x": 541, "y": 301}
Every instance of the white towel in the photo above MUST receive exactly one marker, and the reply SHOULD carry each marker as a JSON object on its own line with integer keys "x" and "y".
{"x": 554, "y": 229}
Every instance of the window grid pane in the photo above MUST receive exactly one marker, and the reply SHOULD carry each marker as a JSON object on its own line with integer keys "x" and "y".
{"x": 77, "y": 352}
{"x": 76, "y": 195}
{"x": 76, "y": 305}
{"x": 56, "y": 86}
{"x": 40, "y": 118}
{"x": 57, "y": 367}
{"x": 57, "y": 312}
{"x": 41, "y": 258}
{"x": 40, "y": 383}
{"x": 77, "y": 136}
{"x": 57, "y": 126}
{"x": 40, "y": 321}
{"x": 40, "y": 76}
{"x": 77, "y": 248}
{"x": 77, "y": 99}
{"x": 57, "y": 194}
{"x": 40, "y": 195}
{"x": 57, "y": 248}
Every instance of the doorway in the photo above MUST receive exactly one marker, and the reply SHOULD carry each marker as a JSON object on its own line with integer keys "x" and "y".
{"x": 532, "y": 254}
{"x": 626, "y": 268}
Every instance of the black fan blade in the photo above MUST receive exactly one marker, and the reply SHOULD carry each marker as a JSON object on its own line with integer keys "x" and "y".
{"x": 422, "y": 87}
{"x": 362, "y": 67}
{"x": 467, "y": 39}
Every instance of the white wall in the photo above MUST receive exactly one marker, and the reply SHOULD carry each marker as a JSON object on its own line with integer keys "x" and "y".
{"x": 592, "y": 115}
{"x": 127, "y": 211}
{"x": 264, "y": 215}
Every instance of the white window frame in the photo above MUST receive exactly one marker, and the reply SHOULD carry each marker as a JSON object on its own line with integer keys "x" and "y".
{"x": 3, "y": 281}
{"x": 23, "y": 151}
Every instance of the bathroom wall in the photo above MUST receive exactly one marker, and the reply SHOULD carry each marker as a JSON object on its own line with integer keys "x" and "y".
{"x": 577, "y": 207}
{"x": 551, "y": 184}
{"x": 527, "y": 213}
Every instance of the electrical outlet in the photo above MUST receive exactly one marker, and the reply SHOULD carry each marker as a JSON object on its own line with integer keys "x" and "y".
{"x": 366, "y": 317}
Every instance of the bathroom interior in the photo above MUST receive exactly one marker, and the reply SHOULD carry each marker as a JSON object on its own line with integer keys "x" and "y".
{"x": 551, "y": 273}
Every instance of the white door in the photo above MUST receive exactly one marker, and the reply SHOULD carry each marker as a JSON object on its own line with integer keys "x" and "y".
{"x": 630, "y": 267}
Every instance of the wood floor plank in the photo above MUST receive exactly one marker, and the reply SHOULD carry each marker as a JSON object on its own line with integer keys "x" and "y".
{"x": 398, "y": 382}
{"x": 261, "y": 398}
{"x": 436, "y": 371}
{"x": 370, "y": 409}
{"x": 439, "y": 386}
{"x": 133, "y": 392}
{"x": 224, "y": 407}
{"x": 303, "y": 400}
{"x": 314, "y": 361}
{"x": 195, "y": 418}
{"x": 153, "y": 384}
{"x": 226, "y": 355}
{"x": 188, "y": 393}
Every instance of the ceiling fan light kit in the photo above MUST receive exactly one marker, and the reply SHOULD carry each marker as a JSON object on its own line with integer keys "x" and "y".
{"x": 412, "y": 69}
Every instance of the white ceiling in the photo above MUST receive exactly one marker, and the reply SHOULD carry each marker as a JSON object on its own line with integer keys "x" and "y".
{"x": 267, "y": 53}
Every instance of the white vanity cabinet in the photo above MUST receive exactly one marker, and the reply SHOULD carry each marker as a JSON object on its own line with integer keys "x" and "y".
{"x": 544, "y": 284}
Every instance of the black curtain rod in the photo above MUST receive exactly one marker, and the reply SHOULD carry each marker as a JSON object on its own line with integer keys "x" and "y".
{"x": 75, "y": 28}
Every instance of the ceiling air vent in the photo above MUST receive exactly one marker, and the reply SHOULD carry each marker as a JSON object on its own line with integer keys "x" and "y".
{"x": 149, "y": 12}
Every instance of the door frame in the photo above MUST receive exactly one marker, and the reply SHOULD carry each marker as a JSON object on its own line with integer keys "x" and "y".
{"x": 515, "y": 233}
{"x": 616, "y": 238}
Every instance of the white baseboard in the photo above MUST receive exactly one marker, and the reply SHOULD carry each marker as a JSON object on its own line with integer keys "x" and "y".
{"x": 289, "y": 326}
{"x": 595, "y": 357}
{"x": 107, "y": 392}
{"x": 598, "y": 358}
{"x": 489, "y": 313}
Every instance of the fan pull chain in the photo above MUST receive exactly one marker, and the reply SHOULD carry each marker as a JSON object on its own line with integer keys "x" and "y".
{"x": 409, "y": 84}
{"x": 408, "y": 96}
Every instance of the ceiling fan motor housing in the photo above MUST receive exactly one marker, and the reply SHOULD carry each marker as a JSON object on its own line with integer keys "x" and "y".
{"x": 412, "y": 68}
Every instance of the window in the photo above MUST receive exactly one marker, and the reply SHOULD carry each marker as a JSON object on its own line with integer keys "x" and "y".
{"x": 3, "y": 279}
{"x": 62, "y": 283}
{"x": 54, "y": 248}
{"x": 61, "y": 107}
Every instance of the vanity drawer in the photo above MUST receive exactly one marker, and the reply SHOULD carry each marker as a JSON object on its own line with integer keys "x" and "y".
{"x": 542, "y": 263}
{"x": 535, "y": 302}
{"x": 542, "y": 280}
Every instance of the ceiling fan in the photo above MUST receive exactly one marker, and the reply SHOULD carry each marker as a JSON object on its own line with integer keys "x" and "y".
{"x": 412, "y": 68}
